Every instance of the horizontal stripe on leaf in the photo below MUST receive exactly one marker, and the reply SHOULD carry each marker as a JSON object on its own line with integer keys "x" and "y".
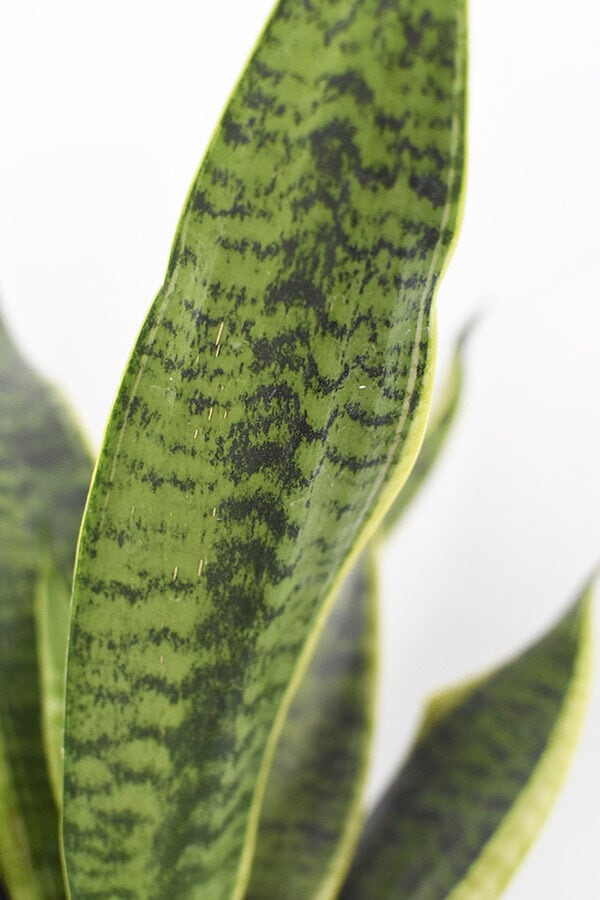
{"x": 311, "y": 812}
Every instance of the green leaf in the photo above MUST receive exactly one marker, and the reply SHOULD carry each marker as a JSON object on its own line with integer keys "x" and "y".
{"x": 272, "y": 408}
{"x": 52, "y": 616}
{"x": 312, "y": 811}
{"x": 44, "y": 473}
{"x": 312, "y": 814}
{"x": 466, "y": 806}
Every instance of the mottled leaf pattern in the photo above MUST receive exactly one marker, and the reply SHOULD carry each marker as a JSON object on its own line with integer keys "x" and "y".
{"x": 44, "y": 473}
{"x": 464, "y": 809}
{"x": 312, "y": 809}
{"x": 311, "y": 814}
{"x": 272, "y": 407}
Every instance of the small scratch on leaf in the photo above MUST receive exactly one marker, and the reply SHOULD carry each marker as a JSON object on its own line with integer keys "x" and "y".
{"x": 218, "y": 340}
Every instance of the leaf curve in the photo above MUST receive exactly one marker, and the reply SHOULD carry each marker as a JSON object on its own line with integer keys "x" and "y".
{"x": 45, "y": 473}
{"x": 467, "y": 804}
{"x": 312, "y": 811}
{"x": 274, "y": 403}
{"x": 438, "y": 429}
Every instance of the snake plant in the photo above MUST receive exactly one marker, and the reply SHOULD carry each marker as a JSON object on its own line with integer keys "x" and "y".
{"x": 193, "y": 718}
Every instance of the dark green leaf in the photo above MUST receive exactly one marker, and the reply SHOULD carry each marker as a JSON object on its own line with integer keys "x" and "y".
{"x": 44, "y": 472}
{"x": 464, "y": 809}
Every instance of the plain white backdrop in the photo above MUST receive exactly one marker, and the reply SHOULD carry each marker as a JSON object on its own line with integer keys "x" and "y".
{"x": 105, "y": 111}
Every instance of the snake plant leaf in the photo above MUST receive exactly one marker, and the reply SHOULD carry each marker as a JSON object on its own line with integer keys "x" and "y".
{"x": 273, "y": 405}
{"x": 44, "y": 473}
{"x": 52, "y": 616}
{"x": 311, "y": 811}
{"x": 475, "y": 790}
{"x": 311, "y": 814}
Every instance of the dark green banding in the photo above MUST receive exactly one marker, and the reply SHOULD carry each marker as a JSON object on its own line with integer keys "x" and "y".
{"x": 469, "y": 800}
{"x": 274, "y": 401}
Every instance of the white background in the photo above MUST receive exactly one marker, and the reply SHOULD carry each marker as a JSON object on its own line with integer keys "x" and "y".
{"x": 105, "y": 110}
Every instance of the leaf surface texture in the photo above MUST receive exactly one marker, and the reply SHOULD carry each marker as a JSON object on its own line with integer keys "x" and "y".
{"x": 312, "y": 811}
{"x": 272, "y": 407}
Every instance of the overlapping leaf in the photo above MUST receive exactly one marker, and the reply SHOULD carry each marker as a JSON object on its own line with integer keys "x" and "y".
{"x": 44, "y": 472}
{"x": 312, "y": 811}
{"x": 52, "y": 613}
{"x": 464, "y": 809}
{"x": 273, "y": 405}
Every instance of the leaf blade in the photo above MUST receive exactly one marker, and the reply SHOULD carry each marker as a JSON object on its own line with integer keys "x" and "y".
{"x": 45, "y": 472}
{"x": 307, "y": 827}
{"x": 279, "y": 308}
{"x": 464, "y": 809}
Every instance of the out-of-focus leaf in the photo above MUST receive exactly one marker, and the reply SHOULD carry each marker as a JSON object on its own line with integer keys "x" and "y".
{"x": 52, "y": 614}
{"x": 464, "y": 809}
{"x": 312, "y": 811}
{"x": 271, "y": 410}
{"x": 44, "y": 473}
